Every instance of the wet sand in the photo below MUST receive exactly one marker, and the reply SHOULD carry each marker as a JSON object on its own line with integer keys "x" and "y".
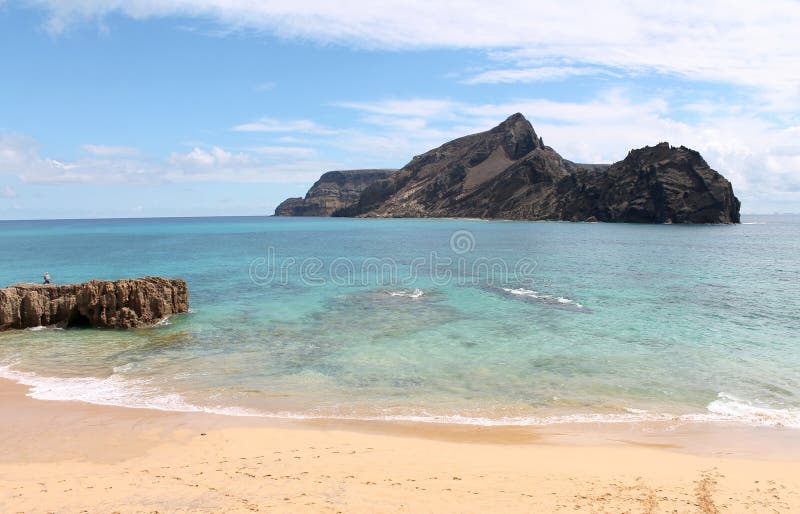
{"x": 75, "y": 457}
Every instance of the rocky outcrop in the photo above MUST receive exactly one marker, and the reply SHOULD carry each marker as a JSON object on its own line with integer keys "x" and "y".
{"x": 509, "y": 173}
{"x": 663, "y": 184}
{"x": 98, "y": 303}
{"x": 334, "y": 190}
{"x": 290, "y": 207}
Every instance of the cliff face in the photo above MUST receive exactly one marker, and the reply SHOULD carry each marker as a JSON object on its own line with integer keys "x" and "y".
{"x": 98, "y": 303}
{"x": 334, "y": 190}
{"x": 663, "y": 184}
{"x": 509, "y": 173}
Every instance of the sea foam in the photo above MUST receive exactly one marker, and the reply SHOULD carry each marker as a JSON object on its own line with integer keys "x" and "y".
{"x": 727, "y": 406}
{"x": 113, "y": 390}
{"x": 416, "y": 293}
{"x": 529, "y": 293}
{"x": 119, "y": 391}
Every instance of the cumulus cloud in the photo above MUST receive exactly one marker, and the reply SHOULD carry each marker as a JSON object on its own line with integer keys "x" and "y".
{"x": 218, "y": 164}
{"x": 214, "y": 158}
{"x": 20, "y": 156}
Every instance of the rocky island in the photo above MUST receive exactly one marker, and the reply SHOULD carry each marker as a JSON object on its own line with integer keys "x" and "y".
{"x": 124, "y": 303}
{"x": 509, "y": 173}
{"x": 333, "y": 191}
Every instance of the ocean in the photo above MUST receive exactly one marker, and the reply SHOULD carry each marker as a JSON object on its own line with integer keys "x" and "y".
{"x": 442, "y": 321}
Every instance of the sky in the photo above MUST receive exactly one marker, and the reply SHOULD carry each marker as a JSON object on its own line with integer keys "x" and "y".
{"x": 135, "y": 108}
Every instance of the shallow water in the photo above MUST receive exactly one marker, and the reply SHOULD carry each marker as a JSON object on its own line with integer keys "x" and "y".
{"x": 431, "y": 320}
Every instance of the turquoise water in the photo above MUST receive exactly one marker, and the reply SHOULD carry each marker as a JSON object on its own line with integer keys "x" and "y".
{"x": 430, "y": 320}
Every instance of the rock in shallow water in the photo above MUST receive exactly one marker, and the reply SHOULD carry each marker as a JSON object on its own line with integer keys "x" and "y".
{"x": 125, "y": 303}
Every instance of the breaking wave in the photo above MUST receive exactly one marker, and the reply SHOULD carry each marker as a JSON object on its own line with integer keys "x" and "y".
{"x": 547, "y": 298}
{"x": 113, "y": 390}
{"x": 119, "y": 391}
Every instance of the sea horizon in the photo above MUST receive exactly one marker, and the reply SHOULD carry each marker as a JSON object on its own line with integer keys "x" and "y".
{"x": 276, "y": 216}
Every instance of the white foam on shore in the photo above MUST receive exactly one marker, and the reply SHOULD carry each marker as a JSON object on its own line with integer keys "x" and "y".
{"x": 416, "y": 293}
{"x": 125, "y": 368}
{"x": 113, "y": 390}
{"x": 541, "y": 296}
{"x": 729, "y": 406}
{"x": 118, "y": 391}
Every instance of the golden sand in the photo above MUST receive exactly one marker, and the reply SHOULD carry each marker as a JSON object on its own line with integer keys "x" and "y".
{"x": 74, "y": 457}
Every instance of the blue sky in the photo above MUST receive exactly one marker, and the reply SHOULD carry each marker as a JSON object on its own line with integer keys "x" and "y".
{"x": 225, "y": 107}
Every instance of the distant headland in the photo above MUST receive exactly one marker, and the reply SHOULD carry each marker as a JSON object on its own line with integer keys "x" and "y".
{"x": 509, "y": 173}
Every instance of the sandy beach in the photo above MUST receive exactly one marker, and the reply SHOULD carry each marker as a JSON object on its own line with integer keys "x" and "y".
{"x": 76, "y": 457}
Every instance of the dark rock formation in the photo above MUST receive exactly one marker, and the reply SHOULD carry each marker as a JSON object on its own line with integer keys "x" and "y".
{"x": 98, "y": 303}
{"x": 290, "y": 207}
{"x": 508, "y": 173}
{"x": 334, "y": 190}
{"x": 664, "y": 184}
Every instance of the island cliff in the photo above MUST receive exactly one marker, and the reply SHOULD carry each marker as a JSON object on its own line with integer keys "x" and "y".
{"x": 98, "y": 303}
{"x": 334, "y": 190}
{"x": 509, "y": 173}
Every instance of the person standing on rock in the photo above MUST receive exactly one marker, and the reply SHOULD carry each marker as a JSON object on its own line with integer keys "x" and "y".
{"x": 46, "y": 277}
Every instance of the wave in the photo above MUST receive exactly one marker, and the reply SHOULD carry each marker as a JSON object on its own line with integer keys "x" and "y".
{"x": 125, "y": 368}
{"x": 416, "y": 293}
{"x": 118, "y": 391}
{"x": 41, "y": 327}
{"x": 547, "y": 298}
{"x": 729, "y": 406}
{"x": 113, "y": 390}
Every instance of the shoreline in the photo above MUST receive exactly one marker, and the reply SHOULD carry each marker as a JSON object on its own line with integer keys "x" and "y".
{"x": 758, "y": 418}
{"x": 72, "y": 456}
{"x": 695, "y": 437}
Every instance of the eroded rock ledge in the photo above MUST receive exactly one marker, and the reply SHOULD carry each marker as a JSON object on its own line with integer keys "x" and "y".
{"x": 125, "y": 303}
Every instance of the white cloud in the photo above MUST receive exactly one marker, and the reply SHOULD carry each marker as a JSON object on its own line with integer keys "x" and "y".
{"x": 105, "y": 151}
{"x": 743, "y": 43}
{"x": 218, "y": 164}
{"x": 20, "y": 156}
{"x": 278, "y": 152}
{"x": 749, "y": 46}
{"x": 266, "y": 124}
{"x": 291, "y": 139}
{"x": 420, "y": 107}
{"x": 215, "y": 158}
{"x": 535, "y": 74}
